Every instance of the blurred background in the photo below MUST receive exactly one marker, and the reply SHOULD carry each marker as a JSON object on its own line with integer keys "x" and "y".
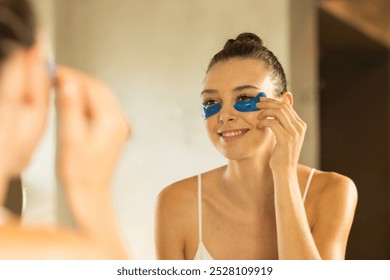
{"x": 154, "y": 53}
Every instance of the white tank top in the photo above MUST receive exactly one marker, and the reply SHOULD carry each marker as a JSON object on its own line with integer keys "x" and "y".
{"x": 202, "y": 253}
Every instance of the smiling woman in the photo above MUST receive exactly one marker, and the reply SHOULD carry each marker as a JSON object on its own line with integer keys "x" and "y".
{"x": 263, "y": 204}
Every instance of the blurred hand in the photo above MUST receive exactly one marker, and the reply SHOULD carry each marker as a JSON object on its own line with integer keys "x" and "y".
{"x": 92, "y": 130}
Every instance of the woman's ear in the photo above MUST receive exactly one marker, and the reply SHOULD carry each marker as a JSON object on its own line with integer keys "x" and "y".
{"x": 287, "y": 98}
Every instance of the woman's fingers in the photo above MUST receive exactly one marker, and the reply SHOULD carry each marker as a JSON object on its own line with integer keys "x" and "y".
{"x": 99, "y": 104}
{"x": 289, "y": 131}
{"x": 88, "y": 105}
{"x": 279, "y": 115}
{"x": 283, "y": 112}
{"x": 276, "y": 127}
{"x": 92, "y": 129}
{"x": 70, "y": 111}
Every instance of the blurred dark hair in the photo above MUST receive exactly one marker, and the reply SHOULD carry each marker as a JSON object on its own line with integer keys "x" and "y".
{"x": 17, "y": 26}
{"x": 249, "y": 45}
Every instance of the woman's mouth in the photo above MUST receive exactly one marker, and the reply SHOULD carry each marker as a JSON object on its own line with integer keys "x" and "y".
{"x": 232, "y": 134}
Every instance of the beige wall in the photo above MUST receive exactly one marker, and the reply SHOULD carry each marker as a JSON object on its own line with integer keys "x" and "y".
{"x": 154, "y": 54}
{"x": 304, "y": 74}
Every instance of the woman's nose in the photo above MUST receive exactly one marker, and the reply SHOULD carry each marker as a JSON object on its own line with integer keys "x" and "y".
{"x": 227, "y": 114}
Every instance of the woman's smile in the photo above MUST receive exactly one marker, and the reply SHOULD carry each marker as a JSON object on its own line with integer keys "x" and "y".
{"x": 232, "y": 134}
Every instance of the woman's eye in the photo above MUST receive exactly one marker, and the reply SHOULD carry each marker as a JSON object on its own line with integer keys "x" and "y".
{"x": 210, "y": 102}
{"x": 243, "y": 98}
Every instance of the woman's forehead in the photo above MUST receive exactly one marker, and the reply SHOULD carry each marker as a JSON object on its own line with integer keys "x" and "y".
{"x": 237, "y": 72}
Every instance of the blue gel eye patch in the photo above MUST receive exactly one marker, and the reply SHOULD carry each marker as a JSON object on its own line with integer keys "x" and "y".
{"x": 208, "y": 111}
{"x": 249, "y": 105}
{"x": 243, "y": 106}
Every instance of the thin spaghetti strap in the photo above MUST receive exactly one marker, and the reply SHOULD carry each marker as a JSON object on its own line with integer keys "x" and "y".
{"x": 200, "y": 207}
{"x": 308, "y": 183}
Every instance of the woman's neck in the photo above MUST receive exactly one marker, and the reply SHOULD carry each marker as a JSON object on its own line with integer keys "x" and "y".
{"x": 249, "y": 179}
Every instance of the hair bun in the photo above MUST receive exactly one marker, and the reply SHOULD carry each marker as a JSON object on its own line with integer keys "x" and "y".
{"x": 245, "y": 39}
{"x": 250, "y": 38}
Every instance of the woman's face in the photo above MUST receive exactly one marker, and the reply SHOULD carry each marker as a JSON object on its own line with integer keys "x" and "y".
{"x": 235, "y": 134}
{"x": 24, "y": 90}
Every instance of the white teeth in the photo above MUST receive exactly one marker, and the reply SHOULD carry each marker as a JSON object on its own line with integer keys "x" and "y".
{"x": 232, "y": 133}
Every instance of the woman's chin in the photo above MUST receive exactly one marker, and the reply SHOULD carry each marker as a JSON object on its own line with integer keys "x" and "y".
{"x": 245, "y": 152}
{"x": 235, "y": 155}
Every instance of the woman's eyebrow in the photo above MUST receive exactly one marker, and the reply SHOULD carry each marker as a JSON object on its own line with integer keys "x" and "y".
{"x": 236, "y": 89}
{"x": 209, "y": 91}
{"x": 244, "y": 87}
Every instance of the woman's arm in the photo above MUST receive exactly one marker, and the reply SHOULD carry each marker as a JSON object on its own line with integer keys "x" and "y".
{"x": 327, "y": 237}
{"x": 296, "y": 240}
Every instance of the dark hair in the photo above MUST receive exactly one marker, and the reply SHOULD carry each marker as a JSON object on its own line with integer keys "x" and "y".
{"x": 249, "y": 45}
{"x": 17, "y": 26}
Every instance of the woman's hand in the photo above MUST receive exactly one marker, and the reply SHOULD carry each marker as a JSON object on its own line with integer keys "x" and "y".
{"x": 289, "y": 130}
{"x": 91, "y": 131}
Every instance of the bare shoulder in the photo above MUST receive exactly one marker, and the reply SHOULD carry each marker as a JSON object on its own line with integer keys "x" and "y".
{"x": 175, "y": 219}
{"x": 333, "y": 198}
{"x": 184, "y": 193}
{"x": 176, "y": 211}
{"x": 179, "y": 195}
{"x": 333, "y": 186}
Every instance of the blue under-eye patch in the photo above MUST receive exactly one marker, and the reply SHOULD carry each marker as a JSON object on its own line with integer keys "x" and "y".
{"x": 242, "y": 106}
{"x": 208, "y": 111}
{"x": 249, "y": 105}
